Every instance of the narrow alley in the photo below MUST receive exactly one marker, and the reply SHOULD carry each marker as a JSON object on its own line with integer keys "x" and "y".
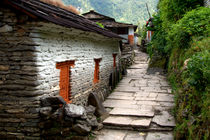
{"x": 140, "y": 106}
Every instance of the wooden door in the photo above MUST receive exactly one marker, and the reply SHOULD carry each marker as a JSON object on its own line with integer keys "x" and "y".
{"x": 64, "y": 83}
{"x": 65, "y": 88}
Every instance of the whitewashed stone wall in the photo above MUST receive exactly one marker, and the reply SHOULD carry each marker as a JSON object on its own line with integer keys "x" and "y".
{"x": 56, "y": 44}
{"x": 28, "y": 55}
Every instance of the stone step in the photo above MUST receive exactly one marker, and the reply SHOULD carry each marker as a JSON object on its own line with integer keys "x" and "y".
{"x": 152, "y": 128}
{"x": 132, "y": 112}
{"x": 123, "y": 121}
{"x": 164, "y": 119}
{"x": 111, "y": 134}
{"x": 120, "y": 97}
{"x": 122, "y": 94}
{"x": 121, "y": 104}
{"x": 127, "y": 89}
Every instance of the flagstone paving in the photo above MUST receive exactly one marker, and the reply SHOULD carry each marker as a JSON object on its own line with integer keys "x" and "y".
{"x": 140, "y": 106}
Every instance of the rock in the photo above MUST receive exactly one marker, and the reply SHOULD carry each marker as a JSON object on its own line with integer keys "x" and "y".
{"x": 192, "y": 120}
{"x": 6, "y": 28}
{"x": 78, "y": 138}
{"x": 159, "y": 136}
{"x": 100, "y": 126}
{"x": 82, "y": 129}
{"x": 90, "y": 109}
{"x": 92, "y": 121}
{"x": 4, "y": 68}
{"x": 94, "y": 100}
{"x": 186, "y": 63}
{"x": 46, "y": 111}
{"x": 52, "y": 100}
{"x": 58, "y": 114}
{"x": 84, "y": 116}
{"x": 165, "y": 119}
{"x": 72, "y": 110}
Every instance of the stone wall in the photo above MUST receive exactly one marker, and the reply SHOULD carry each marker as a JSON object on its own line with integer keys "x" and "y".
{"x": 61, "y": 44}
{"x": 207, "y": 3}
{"x": 29, "y": 52}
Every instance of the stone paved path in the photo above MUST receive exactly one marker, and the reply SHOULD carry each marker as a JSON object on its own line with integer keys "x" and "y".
{"x": 140, "y": 106}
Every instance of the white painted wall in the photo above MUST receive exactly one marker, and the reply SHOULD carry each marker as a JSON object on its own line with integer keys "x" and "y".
{"x": 131, "y": 31}
{"x": 81, "y": 47}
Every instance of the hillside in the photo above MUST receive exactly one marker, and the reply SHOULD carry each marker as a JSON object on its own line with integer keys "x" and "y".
{"x": 132, "y": 11}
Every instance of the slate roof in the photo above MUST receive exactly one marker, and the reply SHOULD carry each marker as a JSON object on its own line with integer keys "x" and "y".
{"x": 59, "y": 16}
{"x": 105, "y": 20}
{"x": 97, "y": 16}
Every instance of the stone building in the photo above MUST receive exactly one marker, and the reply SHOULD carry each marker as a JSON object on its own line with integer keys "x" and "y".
{"x": 48, "y": 51}
{"x": 122, "y": 29}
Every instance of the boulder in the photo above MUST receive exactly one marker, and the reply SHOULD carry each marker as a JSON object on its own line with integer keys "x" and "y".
{"x": 72, "y": 110}
{"x": 92, "y": 121}
{"x": 6, "y": 28}
{"x": 46, "y": 111}
{"x": 90, "y": 109}
{"x": 82, "y": 129}
{"x": 52, "y": 100}
{"x": 58, "y": 114}
{"x": 95, "y": 101}
{"x": 100, "y": 126}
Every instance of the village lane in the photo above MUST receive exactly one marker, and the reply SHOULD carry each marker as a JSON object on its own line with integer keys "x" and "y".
{"x": 140, "y": 106}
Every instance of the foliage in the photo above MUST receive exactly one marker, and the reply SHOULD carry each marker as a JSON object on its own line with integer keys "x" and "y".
{"x": 199, "y": 70}
{"x": 165, "y": 23}
{"x": 190, "y": 77}
{"x": 159, "y": 38}
{"x": 182, "y": 37}
{"x": 142, "y": 31}
{"x": 172, "y": 11}
{"x": 194, "y": 23}
{"x": 100, "y": 24}
{"x": 132, "y": 11}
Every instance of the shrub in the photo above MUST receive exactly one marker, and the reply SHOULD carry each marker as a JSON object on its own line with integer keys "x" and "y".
{"x": 194, "y": 24}
{"x": 192, "y": 84}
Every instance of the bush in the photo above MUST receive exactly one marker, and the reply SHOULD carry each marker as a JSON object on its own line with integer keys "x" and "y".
{"x": 193, "y": 24}
{"x": 182, "y": 37}
{"x": 192, "y": 84}
{"x": 172, "y": 11}
{"x": 199, "y": 70}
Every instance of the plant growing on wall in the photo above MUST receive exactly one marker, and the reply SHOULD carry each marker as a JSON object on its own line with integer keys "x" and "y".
{"x": 100, "y": 24}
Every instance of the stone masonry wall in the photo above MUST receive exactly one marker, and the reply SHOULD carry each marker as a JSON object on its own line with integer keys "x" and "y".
{"x": 56, "y": 47}
{"x": 28, "y": 55}
{"x": 19, "y": 95}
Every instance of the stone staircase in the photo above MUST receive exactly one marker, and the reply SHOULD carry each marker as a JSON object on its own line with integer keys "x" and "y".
{"x": 140, "y": 106}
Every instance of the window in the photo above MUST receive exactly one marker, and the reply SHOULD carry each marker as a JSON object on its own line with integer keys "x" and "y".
{"x": 65, "y": 88}
{"x": 114, "y": 59}
{"x": 96, "y": 72}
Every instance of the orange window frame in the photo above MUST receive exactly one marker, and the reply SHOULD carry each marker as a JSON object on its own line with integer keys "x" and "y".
{"x": 97, "y": 70}
{"x": 65, "y": 88}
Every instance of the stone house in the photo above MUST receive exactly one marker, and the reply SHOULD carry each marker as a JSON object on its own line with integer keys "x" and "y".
{"x": 122, "y": 29}
{"x": 48, "y": 51}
